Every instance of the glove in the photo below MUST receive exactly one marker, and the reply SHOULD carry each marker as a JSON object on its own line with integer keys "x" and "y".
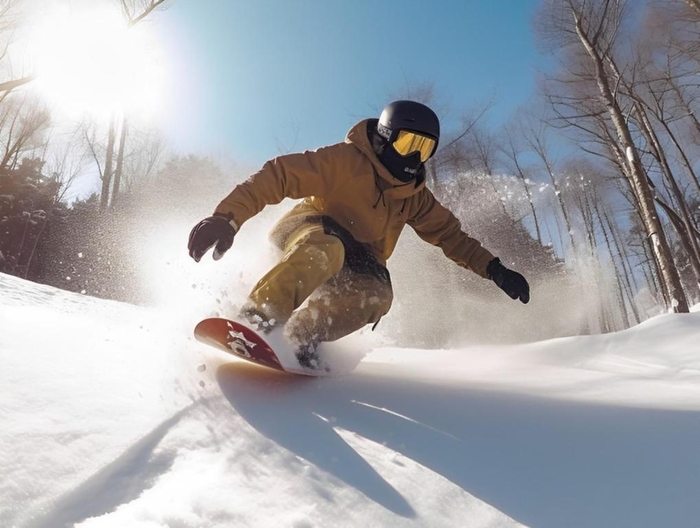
{"x": 511, "y": 282}
{"x": 214, "y": 231}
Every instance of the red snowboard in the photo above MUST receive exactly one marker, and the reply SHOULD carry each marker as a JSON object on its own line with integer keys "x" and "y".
{"x": 242, "y": 342}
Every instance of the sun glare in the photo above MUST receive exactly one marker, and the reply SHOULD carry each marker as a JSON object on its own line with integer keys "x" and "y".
{"x": 92, "y": 62}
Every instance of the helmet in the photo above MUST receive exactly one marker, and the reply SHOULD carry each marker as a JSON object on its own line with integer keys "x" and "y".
{"x": 411, "y": 132}
{"x": 408, "y": 115}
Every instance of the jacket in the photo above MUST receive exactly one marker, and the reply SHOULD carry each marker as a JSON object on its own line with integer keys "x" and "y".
{"x": 349, "y": 184}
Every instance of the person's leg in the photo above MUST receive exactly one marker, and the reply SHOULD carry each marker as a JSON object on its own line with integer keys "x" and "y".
{"x": 346, "y": 303}
{"x": 311, "y": 257}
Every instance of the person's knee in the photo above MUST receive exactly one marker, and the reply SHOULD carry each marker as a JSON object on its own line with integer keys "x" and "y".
{"x": 334, "y": 251}
{"x": 379, "y": 302}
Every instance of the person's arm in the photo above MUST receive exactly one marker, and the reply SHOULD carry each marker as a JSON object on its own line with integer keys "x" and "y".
{"x": 289, "y": 176}
{"x": 438, "y": 226}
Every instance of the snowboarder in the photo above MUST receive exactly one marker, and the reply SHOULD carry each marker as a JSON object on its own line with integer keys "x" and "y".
{"x": 358, "y": 195}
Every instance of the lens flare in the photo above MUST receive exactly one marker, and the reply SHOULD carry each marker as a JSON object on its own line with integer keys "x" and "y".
{"x": 91, "y": 61}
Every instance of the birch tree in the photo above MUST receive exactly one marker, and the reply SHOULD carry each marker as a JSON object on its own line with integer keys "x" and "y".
{"x": 590, "y": 29}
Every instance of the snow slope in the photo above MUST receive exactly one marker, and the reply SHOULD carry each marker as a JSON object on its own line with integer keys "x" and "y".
{"x": 113, "y": 416}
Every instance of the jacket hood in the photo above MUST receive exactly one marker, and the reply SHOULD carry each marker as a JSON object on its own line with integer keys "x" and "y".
{"x": 389, "y": 185}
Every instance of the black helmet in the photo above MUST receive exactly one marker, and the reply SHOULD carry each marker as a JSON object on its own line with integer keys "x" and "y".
{"x": 408, "y": 115}
{"x": 404, "y": 153}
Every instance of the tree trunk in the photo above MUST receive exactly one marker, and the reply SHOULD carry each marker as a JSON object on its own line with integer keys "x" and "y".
{"x": 534, "y": 212}
{"x": 521, "y": 175}
{"x": 33, "y": 250}
{"x": 605, "y": 313}
{"x": 8, "y": 86}
{"x": 623, "y": 281}
{"x": 120, "y": 163}
{"x": 540, "y": 148}
{"x": 627, "y": 271}
{"x": 107, "y": 176}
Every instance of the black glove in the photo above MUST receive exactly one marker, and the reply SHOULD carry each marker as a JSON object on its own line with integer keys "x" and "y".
{"x": 212, "y": 231}
{"x": 511, "y": 282}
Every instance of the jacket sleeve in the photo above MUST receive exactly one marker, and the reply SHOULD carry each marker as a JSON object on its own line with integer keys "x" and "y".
{"x": 294, "y": 176}
{"x": 437, "y": 225}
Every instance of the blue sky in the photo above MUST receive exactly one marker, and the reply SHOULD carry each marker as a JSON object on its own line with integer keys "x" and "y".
{"x": 256, "y": 77}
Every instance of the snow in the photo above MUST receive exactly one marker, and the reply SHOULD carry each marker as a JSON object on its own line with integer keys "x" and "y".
{"x": 114, "y": 416}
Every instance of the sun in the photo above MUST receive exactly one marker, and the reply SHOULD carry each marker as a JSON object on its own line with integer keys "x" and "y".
{"x": 90, "y": 61}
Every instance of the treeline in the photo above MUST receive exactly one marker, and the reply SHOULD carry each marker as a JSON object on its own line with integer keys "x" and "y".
{"x": 592, "y": 188}
{"x": 44, "y": 235}
{"x": 86, "y": 249}
{"x": 601, "y": 165}
{"x": 627, "y": 94}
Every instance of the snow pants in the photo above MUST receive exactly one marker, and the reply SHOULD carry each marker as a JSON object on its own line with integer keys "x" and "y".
{"x": 312, "y": 269}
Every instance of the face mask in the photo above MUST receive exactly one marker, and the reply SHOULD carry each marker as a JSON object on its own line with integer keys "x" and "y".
{"x": 403, "y": 168}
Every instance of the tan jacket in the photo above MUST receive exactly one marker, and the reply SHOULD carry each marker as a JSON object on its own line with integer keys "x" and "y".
{"x": 348, "y": 183}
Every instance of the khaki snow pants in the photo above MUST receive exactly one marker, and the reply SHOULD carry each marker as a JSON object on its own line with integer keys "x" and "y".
{"x": 340, "y": 300}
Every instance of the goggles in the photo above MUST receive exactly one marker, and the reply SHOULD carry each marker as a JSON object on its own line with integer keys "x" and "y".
{"x": 408, "y": 142}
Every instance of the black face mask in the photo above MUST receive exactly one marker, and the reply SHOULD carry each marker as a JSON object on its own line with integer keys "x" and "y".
{"x": 403, "y": 168}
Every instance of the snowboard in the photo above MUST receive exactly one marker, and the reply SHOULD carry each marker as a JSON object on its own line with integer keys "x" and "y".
{"x": 244, "y": 343}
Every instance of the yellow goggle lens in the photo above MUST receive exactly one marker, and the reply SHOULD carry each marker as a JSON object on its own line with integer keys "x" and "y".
{"x": 408, "y": 142}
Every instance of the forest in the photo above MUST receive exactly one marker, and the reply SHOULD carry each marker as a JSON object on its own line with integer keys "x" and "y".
{"x": 594, "y": 183}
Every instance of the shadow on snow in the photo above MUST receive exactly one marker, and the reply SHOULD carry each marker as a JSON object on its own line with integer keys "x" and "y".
{"x": 543, "y": 462}
{"x": 120, "y": 482}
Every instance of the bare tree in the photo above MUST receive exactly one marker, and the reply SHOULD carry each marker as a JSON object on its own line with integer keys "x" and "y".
{"x": 66, "y": 160}
{"x": 8, "y": 26}
{"x": 22, "y": 119}
{"x": 109, "y": 162}
{"x": 118, "y": 171}
{"x": 644, "y": 83}
{"x": 511, "y": 153}
{"x": 682, "y": 222}
{"x": 134, "y": 11}
{"x": 146, "y": 152}
{"x": 591, "y": 29}
{"x": 536, "y": 138}
{"x": 626, "y": 274}
{"x": 456, "y": 151}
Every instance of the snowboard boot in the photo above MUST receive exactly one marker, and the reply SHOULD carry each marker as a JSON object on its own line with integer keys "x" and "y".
{"x": 259, "y": 321}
